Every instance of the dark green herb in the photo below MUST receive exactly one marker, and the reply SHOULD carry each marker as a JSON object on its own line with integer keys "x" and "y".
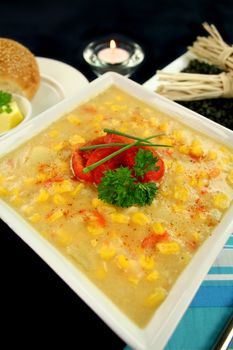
{"x": 219, "y": 110}
{"x": 5, "y": 100}
{"x": 144, "y": 162}
{"x": 120, "y": 188}
{"x": 201, "y": 67}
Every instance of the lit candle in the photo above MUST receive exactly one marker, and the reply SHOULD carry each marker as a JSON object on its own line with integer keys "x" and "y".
{"x": 113, "y": 54}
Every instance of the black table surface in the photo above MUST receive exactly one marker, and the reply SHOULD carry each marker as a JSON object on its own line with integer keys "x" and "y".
{"x": 37, "y": 307}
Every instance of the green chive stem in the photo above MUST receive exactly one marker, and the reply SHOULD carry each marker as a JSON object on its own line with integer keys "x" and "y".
{"x": 106, "y": 145}
{"x": 139, "y": 142}
{"x": 110, "y": 131}
{"x": 105, "y": 159}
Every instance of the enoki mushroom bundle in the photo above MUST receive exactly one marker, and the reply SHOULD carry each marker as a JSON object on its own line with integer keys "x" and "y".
{"x": 213, "y": 49}
{"x": 190, "y": 87}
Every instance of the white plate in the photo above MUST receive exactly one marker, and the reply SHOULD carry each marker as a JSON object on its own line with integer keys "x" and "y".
{"x": 58, "y": 81}
{"x": 155, "y": 335}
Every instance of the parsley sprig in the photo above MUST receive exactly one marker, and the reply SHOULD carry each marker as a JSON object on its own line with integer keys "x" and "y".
{"x": 5, "y": 100}
{"x": 119, "y": 187}
{"x": 144, "y": 162}
{"x": 122, "y": 186}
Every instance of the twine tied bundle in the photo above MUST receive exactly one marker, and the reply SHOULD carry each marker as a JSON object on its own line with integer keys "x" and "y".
{"x": 213, "y": 48}
{"x": 190, "y": 86}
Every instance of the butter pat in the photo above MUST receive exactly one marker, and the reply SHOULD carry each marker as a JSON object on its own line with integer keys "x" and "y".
{"x": 10, "y": 120}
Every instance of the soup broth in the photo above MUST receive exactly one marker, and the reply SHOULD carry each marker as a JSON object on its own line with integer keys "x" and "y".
{"x": 134, "y": 255}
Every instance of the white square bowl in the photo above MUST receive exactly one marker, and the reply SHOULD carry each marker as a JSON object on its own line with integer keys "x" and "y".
{"x": 156, "y": 334}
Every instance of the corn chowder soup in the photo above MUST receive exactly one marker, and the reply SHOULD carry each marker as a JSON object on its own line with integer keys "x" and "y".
{"x": 134, "y": 255}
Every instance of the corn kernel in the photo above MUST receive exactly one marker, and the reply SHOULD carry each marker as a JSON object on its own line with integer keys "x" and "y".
{"x": 196, "y": 151}
{"x": 16, "y": 200}
{"x": 100, "y": 273}
{"x": 146, "y": 133}
{"x": 202, "y": 174}
{"x": 53, "y": 133}
{"x": 178, "y": 208}
{"x": 134, "y": 280}
{"x": 123, "y": 129}
{"x": 115, "y": 122}
{"x": 62, "y": 187}
{"x": 63, "y": 237}
{"x": 155, "y": 298}
{"x": 168, "y": 247}
{"x": 122, "y": 262}
{"x": 221, "y": 200}
{"x": 96, "y": 202}
{"x": 94, "y": 242}
{"x": 184, "y": 149}
{"x": 57, "y": 214}
{"x": 146, "y": 262}
{"x": 202, "y": 183}
{"x": 28, "y": 180}
{"x": 230, "y": 177}
{"x": 27, "y": 209}
{"x": 140, "y": 218}
{"x": 35, "y": 218}
{"x": 15, "y": 191}
{"x": 98, "y": 117}
{"x": 42, "y": 177}
{"x": 106, "y": 252}
{"x": 178, "y": 135}
{"x": 196, "y": 143}
{"x": 223, "y": 149}
{"x": 193, "y": 181}
{"x": 153, "y": 122}
{"x": 58, "y": 146}
{"x": 164, "y": 126}
{"x": 179, "y": 169}
{"x": 119, "y": 98}
{"x": 158, "y": 228}
{"x": 211, "y": 155}
{"x": 1, "y": 178}
{"x": 226, "y": 160}
{"x": 63, "y": 167}
{"x": 186, "y": 257}
{"x": 166, "y": 140}
{"x": 165, "y": 193}
{"x": 3, "y": 191}
{"x": 120, "y": 218}
{"x": 168, "y": 163}
{"x": 76, "y": 139}
{"x": 153, "y": 276}
{"x": 181, "y": 193}
{"x": 95, "y": 230}
{"x": 73, "y": 119}
{"x": 43, "y": 196}
{"x": 179, "y": 180}
{"x": 78, "y": 188}
{"x": 59, "y": 199}
{"x": 115, "y": 108}
{"x": 196, "y": 236}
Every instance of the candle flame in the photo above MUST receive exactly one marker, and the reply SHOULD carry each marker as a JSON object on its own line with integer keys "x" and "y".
{"x": 112, "y": 44}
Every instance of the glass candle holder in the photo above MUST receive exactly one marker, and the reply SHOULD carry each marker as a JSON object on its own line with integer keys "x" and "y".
{"x": 122, "y": 56}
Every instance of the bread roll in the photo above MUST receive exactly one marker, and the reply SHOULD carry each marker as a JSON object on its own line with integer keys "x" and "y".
{"x": 19, "y": 71}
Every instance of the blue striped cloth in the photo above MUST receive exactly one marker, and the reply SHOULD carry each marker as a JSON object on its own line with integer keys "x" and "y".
{"x": 210, "y": 309}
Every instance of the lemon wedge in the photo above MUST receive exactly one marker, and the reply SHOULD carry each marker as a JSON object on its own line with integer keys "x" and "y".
{"x": 10, "y": 120}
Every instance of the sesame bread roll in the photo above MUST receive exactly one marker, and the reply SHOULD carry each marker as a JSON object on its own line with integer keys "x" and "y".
{"x": 19, "y": 71}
